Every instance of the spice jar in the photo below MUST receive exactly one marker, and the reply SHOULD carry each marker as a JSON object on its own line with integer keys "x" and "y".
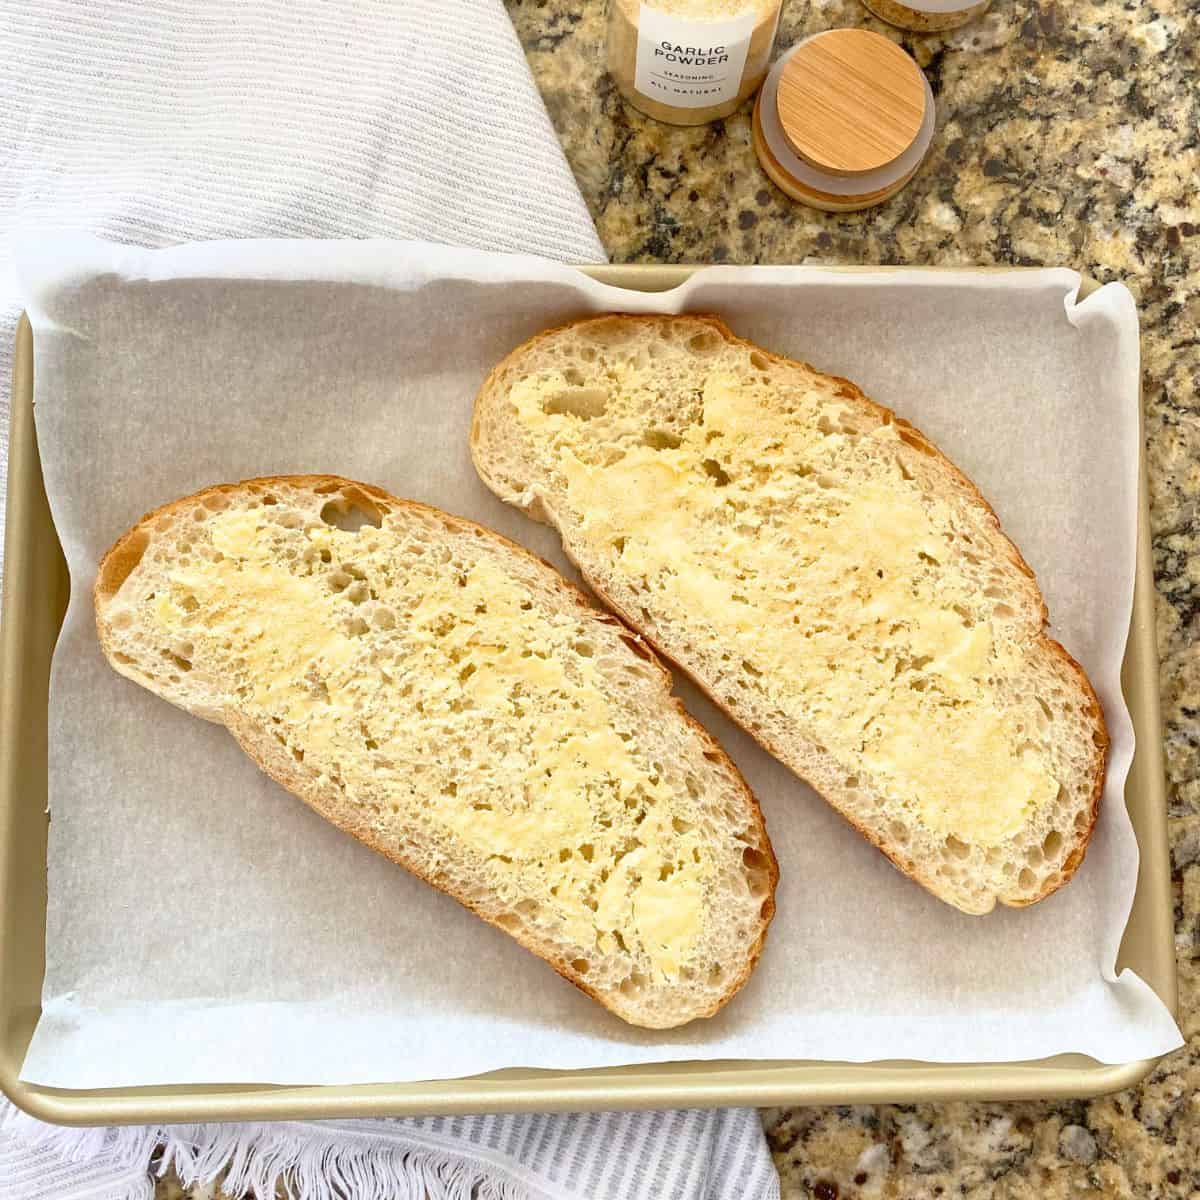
{"x": 927, "y": 16}
{"x": 844, "y": 120}
{"x": 688, "y": 62}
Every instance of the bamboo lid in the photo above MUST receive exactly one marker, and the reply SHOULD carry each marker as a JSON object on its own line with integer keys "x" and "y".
{"x": 850, "y": 101}
{"x": 844, "y": 120}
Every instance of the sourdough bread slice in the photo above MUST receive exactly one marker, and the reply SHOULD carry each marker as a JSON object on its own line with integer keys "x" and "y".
{"x": 825, "y": 574}
{"x": 450, "y": 700}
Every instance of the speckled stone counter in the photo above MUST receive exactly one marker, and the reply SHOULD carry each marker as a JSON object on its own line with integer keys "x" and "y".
{"x": 1067, "y": 135}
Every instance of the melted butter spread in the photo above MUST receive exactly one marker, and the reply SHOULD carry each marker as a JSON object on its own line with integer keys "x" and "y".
{"x": 827, "y": 590}
{"x": 576, "y": 818}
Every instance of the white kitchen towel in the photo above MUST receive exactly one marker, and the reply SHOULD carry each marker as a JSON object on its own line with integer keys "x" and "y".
{"x": 160, "y": 121}
{"x": 714, "y": 1154}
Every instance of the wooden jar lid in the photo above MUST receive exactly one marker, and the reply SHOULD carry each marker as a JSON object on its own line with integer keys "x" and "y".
{"x": 850, "y": 101}
{"x": 843, "y": 120}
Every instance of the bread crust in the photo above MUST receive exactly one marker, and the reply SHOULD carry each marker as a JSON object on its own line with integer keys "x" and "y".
{"x": 537, "y": 509}
{"x": 267, "y": 754}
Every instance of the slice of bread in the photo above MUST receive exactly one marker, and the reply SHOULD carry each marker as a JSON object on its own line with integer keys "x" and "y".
{"x": 450, "y": 700}
{"x": 826, "y": 575}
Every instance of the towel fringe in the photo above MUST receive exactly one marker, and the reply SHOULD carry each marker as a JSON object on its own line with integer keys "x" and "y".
{"x": 258, "y": 1160}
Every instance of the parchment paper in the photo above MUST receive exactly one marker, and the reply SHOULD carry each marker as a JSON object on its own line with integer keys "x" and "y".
{"x": 205, "y": 926}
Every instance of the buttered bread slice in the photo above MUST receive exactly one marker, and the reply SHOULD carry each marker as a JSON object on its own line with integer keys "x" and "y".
{"x": 826, "y": 575}
{"x": 454, "y": 703}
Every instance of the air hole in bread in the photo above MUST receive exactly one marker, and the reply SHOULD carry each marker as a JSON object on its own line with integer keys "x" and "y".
{"x": 957, "y": 848}
{"x": 899, "y": 832}
{"x": 339, "y": 581}
{"x": 356, "y": 627}
{"x": 905, "y": 473}
{"x": 759, "y": 361}
{"x": 581, "y": 965}
{"x": 605, "y": 333}
{"x": 585, "y": 403}
{"x": 583, "y": 649}
{"x": 680, "y": 825}
{"x": 706, "y": 342}
{"x": 1052, "y": 844}
{"x": 298, "y": 754}
{"x": 350, "y": 512}
{"x": 661, "y": 439}
{"x": 383, "y": 617}
{"x": 1026, "y": 879}
{"x": 755, "y": 860}
{"x": 715, "y": 472}
{"x": 121, "y": 620}
{"x": 1003, "y": 612}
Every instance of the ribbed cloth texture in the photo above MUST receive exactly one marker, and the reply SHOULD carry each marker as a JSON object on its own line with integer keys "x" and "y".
{"x": 154, "y": 122}
{"x": 717, "y": 1154}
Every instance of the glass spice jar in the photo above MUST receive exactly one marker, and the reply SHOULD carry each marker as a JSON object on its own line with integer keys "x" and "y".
{"x": 688, "y": 62}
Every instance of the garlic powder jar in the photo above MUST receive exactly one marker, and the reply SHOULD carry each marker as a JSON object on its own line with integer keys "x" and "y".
{"x": 688, "y": 62}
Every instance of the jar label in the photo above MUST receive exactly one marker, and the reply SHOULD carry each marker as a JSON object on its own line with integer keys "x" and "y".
{"x": 691, "y": 64}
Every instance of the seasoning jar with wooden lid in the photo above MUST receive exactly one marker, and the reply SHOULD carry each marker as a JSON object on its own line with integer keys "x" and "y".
{"x": 927, "y": 16}
{"x": 687, "y": 62}
{"x": 844, "y": 120}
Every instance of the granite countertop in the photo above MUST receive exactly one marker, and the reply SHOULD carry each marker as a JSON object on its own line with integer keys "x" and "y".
{"x": 1067, "y": 135}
